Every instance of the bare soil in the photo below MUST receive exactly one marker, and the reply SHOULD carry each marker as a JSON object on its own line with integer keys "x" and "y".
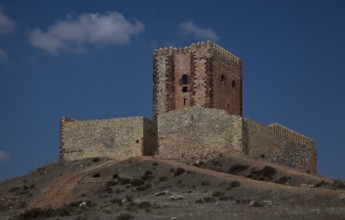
{"x": 149, "y": 188}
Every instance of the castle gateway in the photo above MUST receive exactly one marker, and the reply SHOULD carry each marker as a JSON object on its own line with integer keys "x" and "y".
{"x": 197, "y": 115}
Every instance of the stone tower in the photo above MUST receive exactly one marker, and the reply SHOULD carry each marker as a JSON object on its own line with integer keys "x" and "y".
{"x": 203, "y": 74}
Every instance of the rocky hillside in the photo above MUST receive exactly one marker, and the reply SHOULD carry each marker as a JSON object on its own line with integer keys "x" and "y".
{"x": 148, "y": 188}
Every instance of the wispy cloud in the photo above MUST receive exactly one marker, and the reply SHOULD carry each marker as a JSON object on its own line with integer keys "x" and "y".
{"x": 190, "y": 28}
{"x": 3, "y": 55}
{"x": 6, "y": 24}
{"x": 6, "y": 27}
{"x": 4, "y": 156}
{"x": 73, "y": 33}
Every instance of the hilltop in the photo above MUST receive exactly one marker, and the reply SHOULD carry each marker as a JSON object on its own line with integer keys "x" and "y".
{"x": 150, "y": 188}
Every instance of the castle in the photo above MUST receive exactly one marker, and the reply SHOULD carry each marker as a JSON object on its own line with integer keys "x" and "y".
{"x": 197, "y": 115}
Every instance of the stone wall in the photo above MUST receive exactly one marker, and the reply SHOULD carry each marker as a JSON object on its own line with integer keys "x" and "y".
{"x": 279, "y": 144}
{"x": 193, "y": 133}
{"x": 227, "y": 84}
{"x": 118, "y": 138}
{"x": 215, "y": 79}
{"x": 198, "y": 134}
{"x": 163, "y": 82}
{"x": 150, "y": 138}
{"x": 183, "y": 66}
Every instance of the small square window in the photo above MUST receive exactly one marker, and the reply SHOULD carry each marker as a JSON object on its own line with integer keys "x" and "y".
{"x": 184, "y": 89}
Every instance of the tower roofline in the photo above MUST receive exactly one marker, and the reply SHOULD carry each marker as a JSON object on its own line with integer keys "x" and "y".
{"x": 208, "y": 44}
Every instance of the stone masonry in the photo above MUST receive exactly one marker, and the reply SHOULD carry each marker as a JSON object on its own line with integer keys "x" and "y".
{"x": 185, "y": 134}
{"x": 119, "y": 138}
{"x": 202, "y": 74}
{"x": 197, "y": 115}
{"x": 279, "y": 144}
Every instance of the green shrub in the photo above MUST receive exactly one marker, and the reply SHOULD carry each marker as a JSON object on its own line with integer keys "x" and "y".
{"x": 266, "y": 173}
{"x": 137, "y": 182}
{"x": 199, "y": 201}
{"x": 283, "y": 179}
{"x": 111, "y": 183}
{"x": 145, "y": 205}
{"x": 163, "y": 178}
{"x": 216, "y": 163}
{"x": 37, "y": 213}
{"x": 129, "y": 198}
{"x": 226, "y": 198}
{"x": 142, "y": 188}
{"x": 95, "y": 159}
{"x": 108, "y": 190}
{"x": 237, "y": 168}
{"x": 205, "y": 183}
{"x": 338, "y": 184}
{"x": 124, "y": 181}
{"x": 116, "y": 201}
{"x": 179, "y": 171}
{"x": 125, "y": 216}
{"x": 217, "y": 194}
{"x": 209, "y": 199}
{"x": 147, "y": 175}
{"x": 234, "y": 184}
{"x": 14, "y": 189}
{"x": 205, "y": 200}
{"x": 96, "y": 175}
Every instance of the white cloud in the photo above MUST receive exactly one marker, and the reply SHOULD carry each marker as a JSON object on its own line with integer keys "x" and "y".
{"x": 4, "y": 156}
{"x": 73, "y": 34}
{"x": 190, "y": 28}
{"x": 6, "y": 24}
{"x": 3, "y": 55}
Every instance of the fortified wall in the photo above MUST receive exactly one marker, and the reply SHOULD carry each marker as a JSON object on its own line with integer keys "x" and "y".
{"x": 197, "y": 115}
{"x": 201, "y": 134}
{"x": 279, "y": 144}
{"x": 197, "y": 133}
{"x": 118, "y": 138}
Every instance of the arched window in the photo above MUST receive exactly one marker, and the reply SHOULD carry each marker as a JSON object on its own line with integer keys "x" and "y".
{"x": 185, "y": 79}
{"x": 222, "y": 78}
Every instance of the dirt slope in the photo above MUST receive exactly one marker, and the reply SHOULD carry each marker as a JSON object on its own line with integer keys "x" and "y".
{"x": 148, "y": 188}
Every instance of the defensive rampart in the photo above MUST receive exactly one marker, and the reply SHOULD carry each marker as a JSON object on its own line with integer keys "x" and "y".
{"x": 118, "y": 138}
{"x": 198, "y": 134}
{"x": 279, "y": 144}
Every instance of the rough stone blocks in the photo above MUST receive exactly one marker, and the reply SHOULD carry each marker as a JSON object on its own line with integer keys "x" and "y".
{"x": 118, "y": 138}
{"x": 198, "y": 133}
{"x": 202, "y": 74}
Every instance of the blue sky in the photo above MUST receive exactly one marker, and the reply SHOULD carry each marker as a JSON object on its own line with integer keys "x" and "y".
{"x": 89, "y": 60}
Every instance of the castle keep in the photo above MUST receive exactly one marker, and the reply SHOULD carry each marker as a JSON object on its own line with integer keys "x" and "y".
{"x": 203, "y": 75}
{"x": 197, "y": 115}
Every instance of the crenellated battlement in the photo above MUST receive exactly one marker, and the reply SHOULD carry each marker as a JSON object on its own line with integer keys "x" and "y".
{"x": 286, "y": 133}
{"x": 282, "y": 132}
{"x": 255, "y": 124}
{"x": 196, "y": 46}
